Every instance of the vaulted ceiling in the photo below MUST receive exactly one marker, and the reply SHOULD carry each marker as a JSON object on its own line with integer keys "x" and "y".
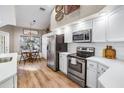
{"x": 34, "y": 16}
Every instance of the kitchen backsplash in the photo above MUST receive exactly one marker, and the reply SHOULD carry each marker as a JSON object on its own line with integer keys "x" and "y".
{"x": 99, "y": 48}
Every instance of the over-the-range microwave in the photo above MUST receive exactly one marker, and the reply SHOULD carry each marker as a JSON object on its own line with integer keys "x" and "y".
{"x": 83, "y": 36}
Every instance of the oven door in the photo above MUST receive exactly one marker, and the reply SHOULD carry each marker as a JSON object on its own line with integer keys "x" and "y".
{"x": 77, "y": 69}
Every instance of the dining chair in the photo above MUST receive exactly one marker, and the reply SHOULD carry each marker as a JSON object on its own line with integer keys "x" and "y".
{"x": 24, "y": 57}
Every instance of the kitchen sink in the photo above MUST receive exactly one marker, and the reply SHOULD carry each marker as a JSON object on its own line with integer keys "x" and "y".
{"x": 5, "y": 59}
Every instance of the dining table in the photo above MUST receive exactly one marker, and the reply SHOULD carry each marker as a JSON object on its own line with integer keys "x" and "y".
{"x": 29, "y": 56}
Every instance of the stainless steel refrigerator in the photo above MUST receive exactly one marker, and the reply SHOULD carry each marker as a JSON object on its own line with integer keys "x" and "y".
{"x": 55, "y": 45}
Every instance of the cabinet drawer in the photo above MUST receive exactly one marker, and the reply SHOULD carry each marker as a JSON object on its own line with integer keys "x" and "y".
{"x": 91, "y": 65}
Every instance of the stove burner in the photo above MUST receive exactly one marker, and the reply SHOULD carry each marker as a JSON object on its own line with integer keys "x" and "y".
{"x": 85, "y": 51}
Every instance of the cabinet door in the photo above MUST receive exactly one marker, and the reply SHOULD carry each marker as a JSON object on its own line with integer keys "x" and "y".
{"x": 67, "y": 35}
{"x": 82, "y": 25}
{"x": 116, "y": 25}
{"x": 91, "y": 78}
{"x": 65, "y": 64}
{"x": 99, "y": 29}
{"x": 100, "y": 85}
{"x": 91, "y": 74}
{"x": 7, "y": 84}
{"x": 60, "y": 62}
{"x": 101, "y": 69}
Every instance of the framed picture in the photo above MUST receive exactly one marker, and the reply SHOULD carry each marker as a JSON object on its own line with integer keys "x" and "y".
{"x": 70, "y": 8}
{"x": 30, "y": 32}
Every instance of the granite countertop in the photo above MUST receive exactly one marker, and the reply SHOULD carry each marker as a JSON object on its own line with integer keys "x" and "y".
{"x": 114, "y": 75}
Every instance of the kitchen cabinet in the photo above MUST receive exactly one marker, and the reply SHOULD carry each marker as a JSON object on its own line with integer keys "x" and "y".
{"x": 82, "y": 25}
{"x": 116, "y": 28}
{"x": 99, "y": 29}
{"x": 8, "y": 70}
{"x": 67, "y": 35}
{"x": 101, "y": 70}
{"x": 10, "y": 82}
{"x": 63, "y": 62}
{"x": 91, "y": 74}
{"x": 94, "y": 71}
{"x": 7, "y": 15}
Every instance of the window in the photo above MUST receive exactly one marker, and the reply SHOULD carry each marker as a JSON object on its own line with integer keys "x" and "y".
{"x": 30, "y": 43}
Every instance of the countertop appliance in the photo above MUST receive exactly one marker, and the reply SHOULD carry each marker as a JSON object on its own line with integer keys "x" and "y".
{"x": 55, "y": 45}
{"x": 77, "y": 64}
{"x": 82, "y": 36}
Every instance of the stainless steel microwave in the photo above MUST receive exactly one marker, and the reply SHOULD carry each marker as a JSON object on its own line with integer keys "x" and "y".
{"x": 83, "y": 36}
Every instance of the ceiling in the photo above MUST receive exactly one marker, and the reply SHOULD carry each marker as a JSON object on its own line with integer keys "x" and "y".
{"x": 26, "y": 14}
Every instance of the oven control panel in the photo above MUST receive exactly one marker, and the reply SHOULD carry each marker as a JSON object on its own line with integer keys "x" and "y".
{"x": 86, "y": 49}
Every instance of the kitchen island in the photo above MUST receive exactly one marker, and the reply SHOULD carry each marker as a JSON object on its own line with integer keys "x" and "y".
{"x": 8, "y": 70}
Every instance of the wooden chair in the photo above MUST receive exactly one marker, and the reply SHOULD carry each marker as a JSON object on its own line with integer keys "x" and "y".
{"x": 24, "y": 57}
{"x": 36, "y": 56}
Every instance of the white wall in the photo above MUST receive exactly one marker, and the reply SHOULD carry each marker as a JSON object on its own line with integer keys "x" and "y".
{"x": 99, "y": 47}
{"x": 14, "y": 33}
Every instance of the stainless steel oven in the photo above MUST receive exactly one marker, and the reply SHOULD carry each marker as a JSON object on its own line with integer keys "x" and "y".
{"x": 77, "y": 71}
{"x": 77, "y": 64}
{"x": 82, "y": 36}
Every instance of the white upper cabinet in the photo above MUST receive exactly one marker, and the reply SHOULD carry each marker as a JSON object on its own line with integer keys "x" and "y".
{"x": 99, "y": 29}
{"x": 7, "y": 15}
{"x": 82, "y": 25}
{"x": 67, "y": 35}
{"x": 116, "y": 25}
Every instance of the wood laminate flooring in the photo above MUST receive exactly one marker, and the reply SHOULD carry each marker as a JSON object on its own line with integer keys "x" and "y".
{"x": 38, "y": 75}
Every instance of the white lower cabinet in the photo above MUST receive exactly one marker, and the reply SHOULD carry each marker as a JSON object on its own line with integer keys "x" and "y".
{"x": 101, "y": 70}
{"x": 9, "y": 83}
{"x": 91, "y": 74}
{"x": 91, "y": 78}
{"x": 94, "y": 71}
{"x": 63, "y": 62}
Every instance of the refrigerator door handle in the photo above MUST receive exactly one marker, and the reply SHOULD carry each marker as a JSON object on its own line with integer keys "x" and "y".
{"x": 47, "y": 47}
